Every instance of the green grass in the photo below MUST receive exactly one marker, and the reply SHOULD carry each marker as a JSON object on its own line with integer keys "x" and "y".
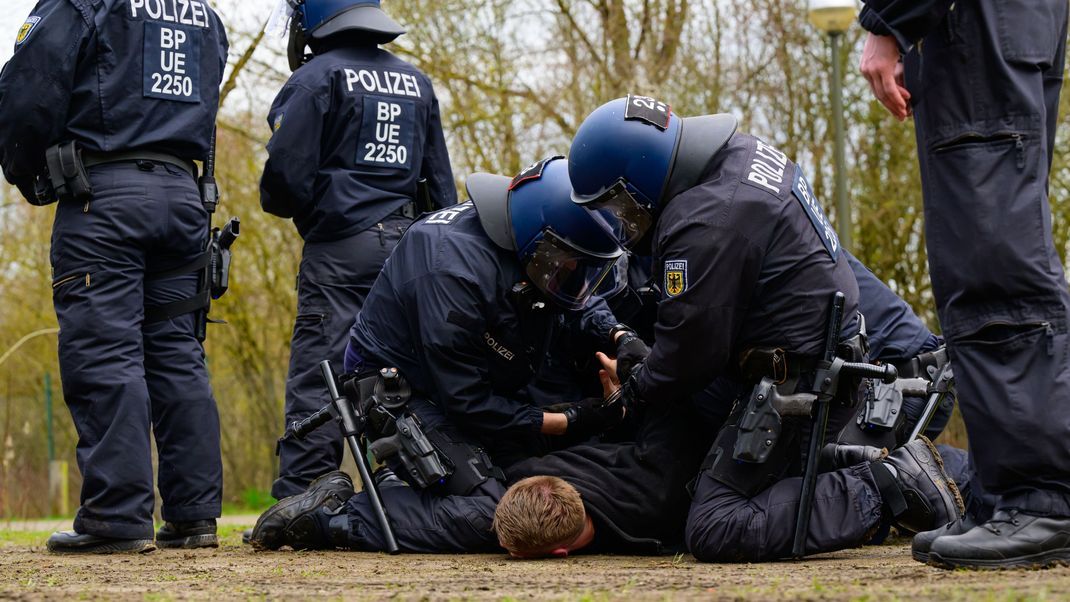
{"x": 229, "y": 535}
{"x": 251, "y": 501}
{"x": 23, "y": 538}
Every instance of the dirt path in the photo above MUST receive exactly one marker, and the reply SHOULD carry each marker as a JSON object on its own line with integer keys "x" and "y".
{"x": 235, "y": 572}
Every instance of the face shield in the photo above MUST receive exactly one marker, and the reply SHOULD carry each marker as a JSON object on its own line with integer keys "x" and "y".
{"x": 622, "y": 210}
{"x": 568, "y": 274}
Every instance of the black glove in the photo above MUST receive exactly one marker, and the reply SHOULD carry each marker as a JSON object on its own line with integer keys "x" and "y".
{"x": 592, "y": 417}
{"x": 631, "y": 352}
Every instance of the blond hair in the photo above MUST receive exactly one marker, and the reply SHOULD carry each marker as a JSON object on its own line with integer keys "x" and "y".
{"x": 539, "y": 514}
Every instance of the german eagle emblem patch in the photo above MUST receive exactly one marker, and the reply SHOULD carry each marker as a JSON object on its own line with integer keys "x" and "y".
{"x": 26, "y": 29}
{"x": 675, "y": 277}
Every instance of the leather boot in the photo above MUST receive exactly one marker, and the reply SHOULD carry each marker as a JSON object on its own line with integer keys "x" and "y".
{"x": 295, "y": 521}
{"x": 72, "y": 542}
{"x": 917, "y": 493}
{"x": 1010, "y": 539}
{"x": 919, "y": 548}
{"x": 188, "y": 535}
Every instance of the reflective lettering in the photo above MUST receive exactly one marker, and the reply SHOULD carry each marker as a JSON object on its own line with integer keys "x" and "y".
{"x": 182, "y": 12}
{"x": 387, "y": 82}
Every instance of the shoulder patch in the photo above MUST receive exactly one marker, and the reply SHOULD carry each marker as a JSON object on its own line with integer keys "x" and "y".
{"x": 805, "y": 194}
{"x": 26, "y": 29}
{"x": 278, "y": 122}
{"x": 532, "y": 172}
{"x": 675, "y": 277}
{"x": 766, "y": 168}
{"x": 447, "y": 216}
{"x": 649, "y": 110}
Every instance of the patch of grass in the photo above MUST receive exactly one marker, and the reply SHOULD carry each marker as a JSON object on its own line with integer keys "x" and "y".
{"x": 251, "y": 501}
{"x": 23, "y": 538}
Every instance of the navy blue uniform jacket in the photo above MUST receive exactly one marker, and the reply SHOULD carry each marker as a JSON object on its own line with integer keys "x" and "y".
{"x": 908, "y": 20}
{"x": 354, "y": 129}
{"x": 443, "y": 312}
{"x": 112, "y": 75}
{"x": 745, "y": 259}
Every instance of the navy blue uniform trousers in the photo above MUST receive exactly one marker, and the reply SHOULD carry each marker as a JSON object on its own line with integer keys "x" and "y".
{"x": 122, "y": 377}
{"x": 333, "y": 282}
{"x": 985, "y": 87}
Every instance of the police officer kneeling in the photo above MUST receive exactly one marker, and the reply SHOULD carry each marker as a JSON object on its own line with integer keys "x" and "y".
{"x": 748, "y": 265}
{"x": 465, "y": 308}
{"x": 104, "y": 107}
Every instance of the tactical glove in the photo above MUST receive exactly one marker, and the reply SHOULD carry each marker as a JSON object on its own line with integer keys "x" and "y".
{"x": 631, "y": 352}
{"x": 592, "y": 416}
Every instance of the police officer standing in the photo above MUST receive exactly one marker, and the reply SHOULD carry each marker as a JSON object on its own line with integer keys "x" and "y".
{"x": 355, "y": 129}
{"x": 104, "y": 107}
{"x": 983, "y": 80}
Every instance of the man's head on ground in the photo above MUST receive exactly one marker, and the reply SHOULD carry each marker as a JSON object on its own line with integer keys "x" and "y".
{"x": 542, "y": 516}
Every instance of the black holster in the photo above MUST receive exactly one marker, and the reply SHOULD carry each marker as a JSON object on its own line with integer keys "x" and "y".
{"x": 427, "y": 458}
{"x": 67, "y": 176}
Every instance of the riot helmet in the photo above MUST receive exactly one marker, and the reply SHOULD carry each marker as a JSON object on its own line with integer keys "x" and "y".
{"x": 565, "y": 252}
{"x": 314, "y": 20}
{"x": 632, "y": 155}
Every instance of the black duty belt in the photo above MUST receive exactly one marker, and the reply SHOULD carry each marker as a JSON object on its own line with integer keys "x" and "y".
{"x": 93, "y": 159}
{"x": 758, "y": 363}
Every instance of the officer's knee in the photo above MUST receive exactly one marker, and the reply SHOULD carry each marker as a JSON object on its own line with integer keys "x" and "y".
{"x": 723, "y": 533}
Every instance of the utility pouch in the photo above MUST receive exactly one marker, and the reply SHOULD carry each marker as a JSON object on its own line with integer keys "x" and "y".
{"x": 66, "y": 173}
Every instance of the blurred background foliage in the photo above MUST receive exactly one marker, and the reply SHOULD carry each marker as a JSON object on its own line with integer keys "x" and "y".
{"x": 514, "y": 79}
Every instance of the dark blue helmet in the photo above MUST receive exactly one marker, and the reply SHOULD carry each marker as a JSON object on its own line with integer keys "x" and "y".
{"x": 313, "y": 20}
{"x": 632, "y": 155}
{"x": 322, "y": 18}
{"x": 565, "y": 251}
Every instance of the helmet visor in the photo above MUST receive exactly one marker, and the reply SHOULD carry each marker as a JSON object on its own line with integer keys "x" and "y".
{"x": 567, "y": 274}
{"x": 620, "y": 210}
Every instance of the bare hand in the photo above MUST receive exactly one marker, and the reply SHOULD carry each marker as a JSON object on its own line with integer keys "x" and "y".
{"x": 881, "y": 67}
{"x": 608, "y": 374}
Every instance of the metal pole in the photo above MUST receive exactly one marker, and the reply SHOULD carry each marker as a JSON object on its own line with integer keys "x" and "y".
{"x": 843, "y": 211}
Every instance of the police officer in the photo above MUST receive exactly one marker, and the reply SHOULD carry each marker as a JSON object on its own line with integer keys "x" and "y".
{"x": 748, "y": 264}
{"x": 983, "y": 80}
{"x": 355, "y": 129}
{"x": 104, "y": 107}
{"x": 466, "y": 308}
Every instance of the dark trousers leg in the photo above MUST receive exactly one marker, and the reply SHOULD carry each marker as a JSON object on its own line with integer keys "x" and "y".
{"x": 334, "y": 280}
{"x": 726, "y": 526}
{"x": 425, "y": 523}
{"x": 184, "y": 415}
{"x": 986, "y": 91}
{"x": 99, "y": 257}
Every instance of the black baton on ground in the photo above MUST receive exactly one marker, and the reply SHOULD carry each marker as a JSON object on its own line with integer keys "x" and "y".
{"x": 351, "y": 428}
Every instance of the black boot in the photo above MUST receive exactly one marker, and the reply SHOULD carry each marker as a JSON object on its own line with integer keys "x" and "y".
{"x": 1010, "y": 539}
{"x": 247, "y": 536}
{"x": 188, "y": 535}
{"x": 72, "y": 542}
{"x": 919, "y": 548}
{"x": 299, "y": 521}
{"x": 917, "y": 493}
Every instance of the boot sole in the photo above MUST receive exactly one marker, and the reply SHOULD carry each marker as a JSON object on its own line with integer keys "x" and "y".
{"x": 208, "y": 540}
{"x": 922, "y": 557}
{"x": 122, "y": 546}
{"x": 1042, "y": 560}
{"x": 952, "y": 487}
